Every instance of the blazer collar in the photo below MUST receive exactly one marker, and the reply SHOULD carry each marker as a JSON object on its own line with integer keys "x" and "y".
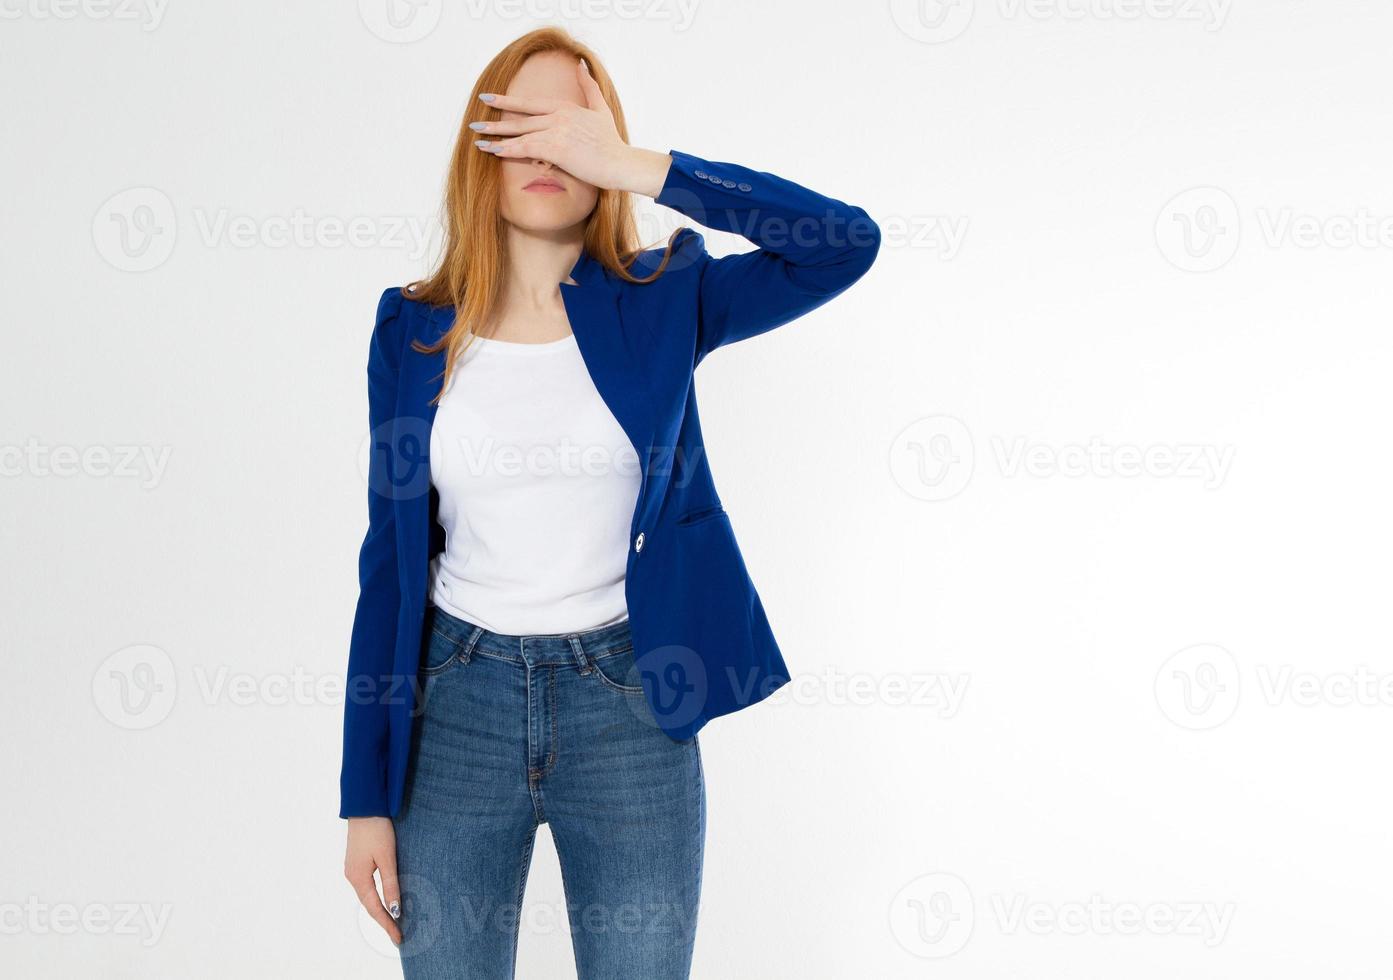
{"x": 586, "y": 272}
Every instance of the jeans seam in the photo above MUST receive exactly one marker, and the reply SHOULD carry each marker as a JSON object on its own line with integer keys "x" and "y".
{"x": 550, "y": 764}
{"x": 518, "y": 891}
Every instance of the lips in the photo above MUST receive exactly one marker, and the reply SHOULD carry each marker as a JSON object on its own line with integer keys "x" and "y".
{"x": 545, "y": 185}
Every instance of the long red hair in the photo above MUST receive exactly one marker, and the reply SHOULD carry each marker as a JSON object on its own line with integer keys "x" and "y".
{"x": 474, "y": 261}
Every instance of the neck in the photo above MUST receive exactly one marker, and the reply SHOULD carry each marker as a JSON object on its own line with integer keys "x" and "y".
{"x": 537, "y": 263}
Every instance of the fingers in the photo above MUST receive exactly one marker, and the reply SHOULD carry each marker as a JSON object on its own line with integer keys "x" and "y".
{"x": 513, "y": 127}
{"x": 528, "y": 146}
{"x": 366, "y": 888}
{"x": 520, "y": 103}
{"x": 391, "y": 891}
{"x": 594, "y": 98}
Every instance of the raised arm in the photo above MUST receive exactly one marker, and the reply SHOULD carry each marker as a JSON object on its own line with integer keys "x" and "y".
{"x": 811, "y": 247}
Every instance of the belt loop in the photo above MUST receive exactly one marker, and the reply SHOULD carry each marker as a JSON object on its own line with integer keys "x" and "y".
{"x": 468, "y": 648}
{"x": 582, "y": 657}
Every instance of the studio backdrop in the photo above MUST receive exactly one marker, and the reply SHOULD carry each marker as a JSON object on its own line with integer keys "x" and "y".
{"x": 1070, "y": 516}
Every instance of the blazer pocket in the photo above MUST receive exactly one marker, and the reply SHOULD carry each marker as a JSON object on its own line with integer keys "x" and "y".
{"x": 701, "y": 516}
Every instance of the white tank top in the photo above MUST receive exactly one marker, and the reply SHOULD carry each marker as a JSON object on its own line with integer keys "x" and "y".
{"x": 537, "y": 485}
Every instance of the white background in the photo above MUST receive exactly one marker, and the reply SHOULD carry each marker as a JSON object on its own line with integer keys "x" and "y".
{"x": 1166, "y": 751}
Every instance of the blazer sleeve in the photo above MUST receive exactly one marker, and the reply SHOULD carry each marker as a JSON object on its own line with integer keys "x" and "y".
{"x": 363, "y": 779}
{"x": 810, "y": 247}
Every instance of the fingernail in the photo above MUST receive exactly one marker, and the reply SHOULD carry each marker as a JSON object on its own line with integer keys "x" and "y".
{"x": 488, "y": 98}
{"x": 478, "y": 127}
{"x": 482, "y": 144}
{"x": 394, "y": 910}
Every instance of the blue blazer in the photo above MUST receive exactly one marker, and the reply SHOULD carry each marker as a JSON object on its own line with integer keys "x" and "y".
{"x": 701, "y": 640}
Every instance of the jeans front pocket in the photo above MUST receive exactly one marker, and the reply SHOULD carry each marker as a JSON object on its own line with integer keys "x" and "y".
{"x": 440, "y": 653}
{"x": 618, "y": 671}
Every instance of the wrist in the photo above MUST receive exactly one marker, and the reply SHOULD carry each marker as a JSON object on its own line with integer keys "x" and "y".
{"x": 643, "y": 171}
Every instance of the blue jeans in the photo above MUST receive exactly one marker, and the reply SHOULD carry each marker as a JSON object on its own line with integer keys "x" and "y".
{"x": 519, "y": 730}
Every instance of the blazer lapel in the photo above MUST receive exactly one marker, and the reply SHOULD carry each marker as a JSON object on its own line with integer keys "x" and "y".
{"x": 592, "y": 305}
{"x": 420, "y": 379}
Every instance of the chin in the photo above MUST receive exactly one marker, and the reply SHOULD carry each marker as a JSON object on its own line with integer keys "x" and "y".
{"x": 546, "y": 214}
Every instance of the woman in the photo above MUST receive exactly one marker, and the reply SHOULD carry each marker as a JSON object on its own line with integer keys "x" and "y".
{"x": 552, "y": 599}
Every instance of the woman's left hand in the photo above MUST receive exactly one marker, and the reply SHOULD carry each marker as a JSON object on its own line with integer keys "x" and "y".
{"x": 581, "y": 140}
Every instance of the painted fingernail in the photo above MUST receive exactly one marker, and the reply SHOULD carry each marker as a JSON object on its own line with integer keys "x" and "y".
{"x": 487, "y": 97}
{"x": 394, "y": 910}
{"x": 478, "y": 127}
{"x": 482, "y": 144}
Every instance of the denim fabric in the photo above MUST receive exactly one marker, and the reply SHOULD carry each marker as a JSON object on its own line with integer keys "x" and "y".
{"x": 514, "y": 731}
